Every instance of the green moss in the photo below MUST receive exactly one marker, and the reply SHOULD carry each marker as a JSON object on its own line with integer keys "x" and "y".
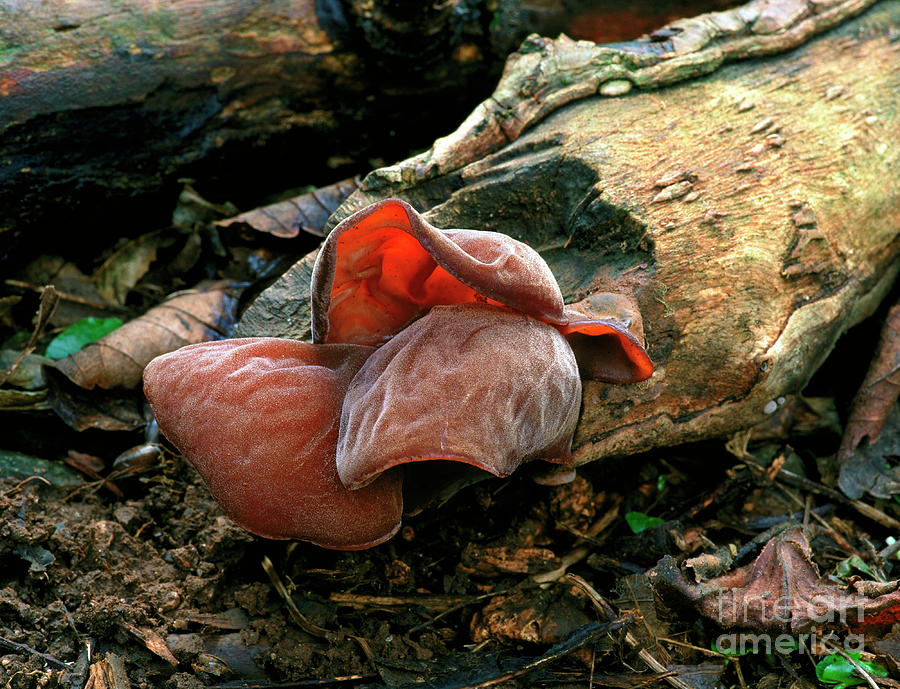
{"x": 8, "y": 53}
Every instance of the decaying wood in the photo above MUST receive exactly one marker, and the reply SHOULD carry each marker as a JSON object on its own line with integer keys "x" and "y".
{"x": 545, "y": 75}
{"x": 104, "y": 104}
{"x": 751, "y": 212}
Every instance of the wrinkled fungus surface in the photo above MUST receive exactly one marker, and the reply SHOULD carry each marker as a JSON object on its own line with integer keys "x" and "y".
{"x": 458, "y": 388}
{"x": 606, "y": 333}
{"x": 385, "y": 265}
{"x": 259, "y": 419}
{"x": 478, "y": 363}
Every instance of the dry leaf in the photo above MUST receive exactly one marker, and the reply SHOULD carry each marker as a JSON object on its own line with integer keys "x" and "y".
{"x": 23, "y": 400}
{"x": 879, "y": 390}
{"x": 491, "y": 561}
{"x": 888, "y": 650}
{"x": 107, "y": 410}
{"x": 539, "y": 616}
{"x": 703, "y": 676}
{"x": 307, "y": 212}
{"x": 193, "y": 210}
{"x": 780, "y": 591}
{"x": 153, "y": 641}
{"x": 80, "y": 298}
{"x": 118, "y": 359}
{"x": 873, "y": 468}
{"x": 128, "y": 264}
{"x": 6, "y": 310}
{"x": 27, "y": 374}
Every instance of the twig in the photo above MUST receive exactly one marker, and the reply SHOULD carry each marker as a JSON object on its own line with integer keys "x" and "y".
{"x": 684, "y": 644}
{"x": 740, "y": 673}
{"x": 634, "y": 600}
{"x": 804, "y": 483}
{"x": 428, "y": 623}
{"x": 577, "y": 639}
{"x": 889, "y": 551}
{"x": 435, "y": 603}
{"x": 68, "y": 296}
{"x": 49, "y": 300}
{"x": 580, "y": 551}
{"x": 875, "y": 515}
{"x": 15, "y": 646}
{"x": 607, "y": 610}
{"x": 293, "y": 611}
{"x": 593, "y": 664}
{"x": 862, "y": 508}
{"x": 21, "y": 483}
{"x": 762, "y": 539}
{"x": 840, "y": 540}
{"x": 301, "y": 684}
{"x": 756, "y": 523}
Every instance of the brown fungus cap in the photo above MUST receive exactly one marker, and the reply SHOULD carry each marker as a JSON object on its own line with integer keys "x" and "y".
{"x": 470, "y": 383}
{"x": 384, "y": 266}
{"x": 474, "y": 367}
{"x": 606, "y": 333}
{"x": 259, "y": 419}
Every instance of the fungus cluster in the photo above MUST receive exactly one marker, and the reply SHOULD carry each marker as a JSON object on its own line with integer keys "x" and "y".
{"x": 428, "y": 344}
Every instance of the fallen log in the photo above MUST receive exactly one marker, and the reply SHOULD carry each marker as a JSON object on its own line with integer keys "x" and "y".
{"x": 750, "y": 212}
{"x": 104, "y": 105}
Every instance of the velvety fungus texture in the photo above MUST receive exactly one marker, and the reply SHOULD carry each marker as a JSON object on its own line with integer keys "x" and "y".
{"x": 259, "y": 418}
{"x": 384, "y": 266}
{"x": 456, "y": 386}
{"x": 606, "y": 333}
{"x": 478, "y": 362}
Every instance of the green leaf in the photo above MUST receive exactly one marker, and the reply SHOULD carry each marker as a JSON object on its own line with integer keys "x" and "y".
{"x": 836, "y": 669}
{"x": 79, "y": 334}
{"x": 638, "y": 521}
{"x": 846, "y": 567}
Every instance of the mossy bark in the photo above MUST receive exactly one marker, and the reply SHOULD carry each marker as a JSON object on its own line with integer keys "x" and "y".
{"x": 104, "y": 104}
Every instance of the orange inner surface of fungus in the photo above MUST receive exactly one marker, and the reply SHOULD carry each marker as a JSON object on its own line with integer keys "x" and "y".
{"x": 385, "y": 279}
{"x": 625, "y": 361}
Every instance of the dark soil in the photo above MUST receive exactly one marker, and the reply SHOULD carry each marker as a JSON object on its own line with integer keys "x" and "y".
{"x": 86, "y": 575}
{"x": 158, "y": 586}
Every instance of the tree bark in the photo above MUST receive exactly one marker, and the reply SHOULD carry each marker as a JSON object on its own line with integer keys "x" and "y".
{"x": 105, "y": 104}
{"x": 753, "y": 213}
